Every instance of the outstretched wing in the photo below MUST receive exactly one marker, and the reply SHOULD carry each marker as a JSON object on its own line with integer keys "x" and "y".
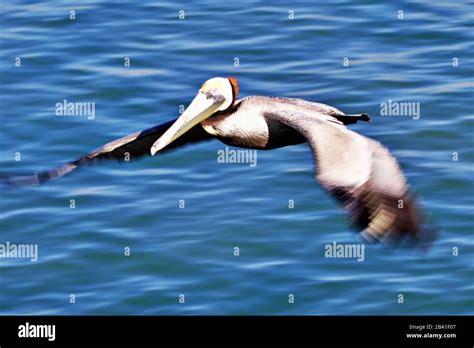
{"x": 125, "y": 149}
{"x": 362, "y": 174}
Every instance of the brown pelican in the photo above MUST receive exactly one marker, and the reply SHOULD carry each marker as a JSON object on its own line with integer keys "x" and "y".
{"x": 358, "y": 171}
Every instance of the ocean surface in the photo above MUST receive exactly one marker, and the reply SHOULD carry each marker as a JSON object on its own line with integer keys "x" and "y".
{"x": 352, "y": 55}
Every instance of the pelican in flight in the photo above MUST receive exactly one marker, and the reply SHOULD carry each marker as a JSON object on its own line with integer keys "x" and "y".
{"x": 360, "y": 172}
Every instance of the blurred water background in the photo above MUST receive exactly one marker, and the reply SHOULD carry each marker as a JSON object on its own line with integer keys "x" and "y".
{"x": 287, "y": 48}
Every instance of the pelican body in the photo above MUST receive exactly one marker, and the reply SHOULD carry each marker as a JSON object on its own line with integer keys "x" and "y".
{"x": 359, "y": 171}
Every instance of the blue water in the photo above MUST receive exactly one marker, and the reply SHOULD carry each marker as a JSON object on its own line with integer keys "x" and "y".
{"x": 190, "y": 251}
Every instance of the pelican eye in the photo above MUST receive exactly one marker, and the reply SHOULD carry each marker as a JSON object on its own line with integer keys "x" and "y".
{"x": 214, "y": 94}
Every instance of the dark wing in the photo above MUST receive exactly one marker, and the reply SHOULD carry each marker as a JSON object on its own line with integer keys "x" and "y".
{"x": 125, "y": 149}
{"x": 362, "y": 174}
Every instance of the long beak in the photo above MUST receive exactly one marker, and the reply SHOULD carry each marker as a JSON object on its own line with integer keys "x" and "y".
{"x": 200, "y": 108}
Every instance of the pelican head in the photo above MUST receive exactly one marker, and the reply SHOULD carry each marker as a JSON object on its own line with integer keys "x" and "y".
{"x": 215, "y": 95}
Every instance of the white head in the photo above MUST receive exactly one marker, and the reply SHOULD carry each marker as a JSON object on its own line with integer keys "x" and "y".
{"x": 215, "y": 95}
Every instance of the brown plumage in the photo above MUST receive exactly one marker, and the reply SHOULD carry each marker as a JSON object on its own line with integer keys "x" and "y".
{"x": 128, "y": 148}
{"x": 359, "y": 171}
{"x": 362, "y": 174}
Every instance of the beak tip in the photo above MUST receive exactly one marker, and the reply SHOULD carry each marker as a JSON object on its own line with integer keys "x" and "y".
{"x": 153, "y": 150}
{"x": 158, "y": 146}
